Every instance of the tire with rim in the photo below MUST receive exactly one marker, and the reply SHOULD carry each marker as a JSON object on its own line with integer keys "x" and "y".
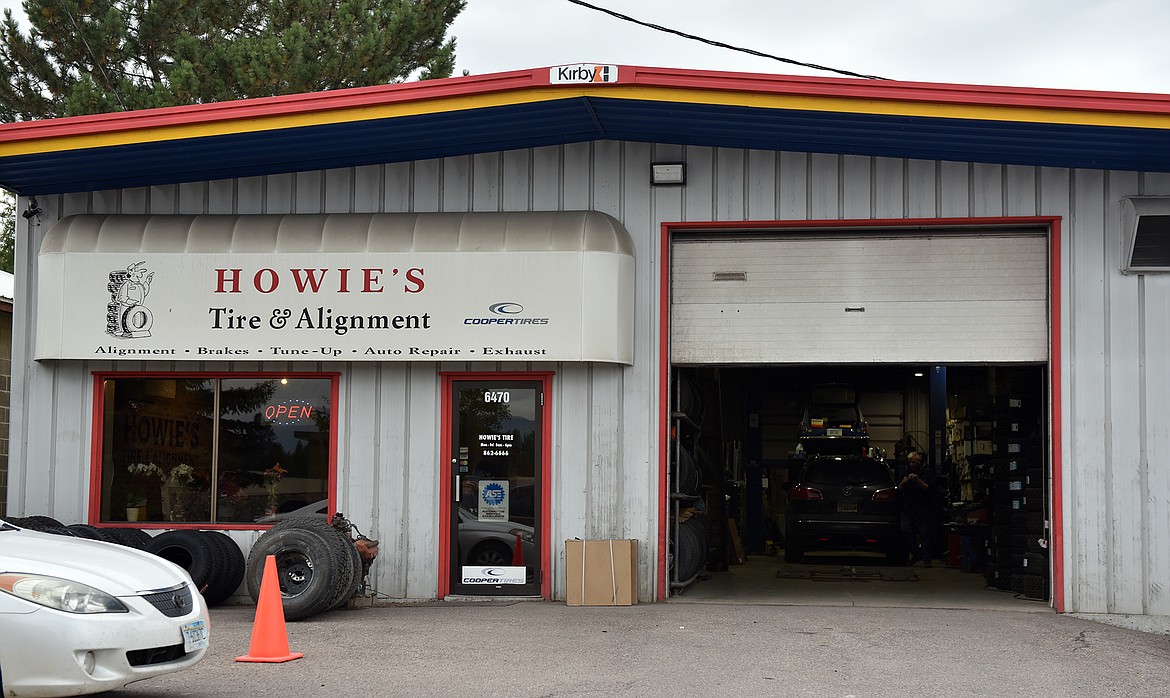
{"x": 313, "y": 569}
{"x": 490, "y": 553}
{"x": 187, "y": 549}
{"x": 231, "y": 570}
{"x": 344, "y": 543}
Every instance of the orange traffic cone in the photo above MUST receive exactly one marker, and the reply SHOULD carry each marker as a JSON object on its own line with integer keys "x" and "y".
{"x": 518, "y": 553}
{"x": 269, "y": 637}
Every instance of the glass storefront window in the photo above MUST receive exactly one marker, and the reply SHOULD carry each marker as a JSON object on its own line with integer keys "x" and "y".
{"x": 213, "y": 450}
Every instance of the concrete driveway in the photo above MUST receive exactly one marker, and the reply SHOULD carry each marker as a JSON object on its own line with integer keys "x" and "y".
{"x": 696, "y": 649}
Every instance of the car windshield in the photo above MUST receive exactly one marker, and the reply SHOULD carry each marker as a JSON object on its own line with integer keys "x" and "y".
{"x": 847, "y": 471}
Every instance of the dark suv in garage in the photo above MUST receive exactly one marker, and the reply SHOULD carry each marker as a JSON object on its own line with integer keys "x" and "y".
{"x": 842, "y": 503}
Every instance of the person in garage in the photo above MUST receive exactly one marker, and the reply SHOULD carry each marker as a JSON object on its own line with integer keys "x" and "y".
{"x": 916, "y": 487}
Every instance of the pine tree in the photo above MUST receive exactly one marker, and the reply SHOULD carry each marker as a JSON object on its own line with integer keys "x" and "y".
{"x": 95, "y": 56}
{"x": 7, "y": 230}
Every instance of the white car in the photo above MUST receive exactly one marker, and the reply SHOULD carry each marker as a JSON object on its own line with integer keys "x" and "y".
{"x": 80, "y": 616}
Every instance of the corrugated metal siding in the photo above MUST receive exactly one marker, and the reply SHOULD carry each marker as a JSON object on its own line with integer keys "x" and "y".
{"x": 1114, "y": 334}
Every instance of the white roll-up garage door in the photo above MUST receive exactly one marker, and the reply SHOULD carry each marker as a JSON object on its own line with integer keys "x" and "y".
{"x": 860, "y": 297}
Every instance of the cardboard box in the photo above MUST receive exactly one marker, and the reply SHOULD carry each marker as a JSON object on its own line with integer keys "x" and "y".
{"x": 601, "y": 572}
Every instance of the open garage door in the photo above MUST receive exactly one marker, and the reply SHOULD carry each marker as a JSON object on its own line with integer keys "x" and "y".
{"x": 860, "y": 297}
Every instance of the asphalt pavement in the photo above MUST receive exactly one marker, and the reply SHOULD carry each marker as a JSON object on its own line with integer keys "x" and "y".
{"x": 530, "y": 648}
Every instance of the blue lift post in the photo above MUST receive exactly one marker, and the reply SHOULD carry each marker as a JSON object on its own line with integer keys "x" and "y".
{"x": 937, "y": 417}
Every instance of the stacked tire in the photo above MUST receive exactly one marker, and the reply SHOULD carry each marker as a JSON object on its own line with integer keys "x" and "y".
{"x": 690, "y": 547}
{"x": 1017, "y": 550}
{"x": 214, "y": 561}
{"x": 318, "y": 567}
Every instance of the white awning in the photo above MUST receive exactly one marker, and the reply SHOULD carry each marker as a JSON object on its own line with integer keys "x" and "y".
{"x": 537, "y": 286}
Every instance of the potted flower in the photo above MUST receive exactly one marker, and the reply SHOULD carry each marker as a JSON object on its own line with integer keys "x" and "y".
{"x": 174, "y": 485}
{"x": 135, "y": 506}
{"x": 271, "y": 480}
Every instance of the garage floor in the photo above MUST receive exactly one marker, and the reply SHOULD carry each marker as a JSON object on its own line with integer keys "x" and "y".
{"x": 825, "y": 579}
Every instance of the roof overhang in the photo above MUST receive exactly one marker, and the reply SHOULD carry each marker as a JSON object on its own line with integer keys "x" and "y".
{"x": 521, "y": 109}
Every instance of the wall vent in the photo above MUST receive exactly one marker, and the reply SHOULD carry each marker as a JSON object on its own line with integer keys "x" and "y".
{"x": 1145, "y": 235}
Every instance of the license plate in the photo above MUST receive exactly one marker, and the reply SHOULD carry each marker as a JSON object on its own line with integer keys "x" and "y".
{"x": 846, "y": 506}
{"x": 194, "y": 636}
{"x": 832, "y": 432}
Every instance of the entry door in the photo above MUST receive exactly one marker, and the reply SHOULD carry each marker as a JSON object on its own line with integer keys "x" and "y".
{"x": 495, "y": 469}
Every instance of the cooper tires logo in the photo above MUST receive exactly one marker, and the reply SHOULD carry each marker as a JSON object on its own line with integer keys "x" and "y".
{"x": 493, "y": 575}
{"x": 127, "y": 316}
{"x": 504, "y": 313}
{"x": 506, "y": 308}
{"x": 487, "y": 575}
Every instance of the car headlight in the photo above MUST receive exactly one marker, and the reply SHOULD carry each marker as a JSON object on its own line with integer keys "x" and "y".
{"x": 524, "y": 535}
{"x": 61, "y": 594}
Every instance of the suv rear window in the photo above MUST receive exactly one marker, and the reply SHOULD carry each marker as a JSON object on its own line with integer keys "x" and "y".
{"x": 847, "y": 471}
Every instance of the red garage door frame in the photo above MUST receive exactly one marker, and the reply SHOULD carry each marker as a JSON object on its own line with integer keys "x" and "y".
{"x": 1053, "y": 226}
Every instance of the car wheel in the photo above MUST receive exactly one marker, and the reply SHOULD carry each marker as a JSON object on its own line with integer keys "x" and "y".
{"x": 490, "y": 554}
{"x": 313, "y": 569}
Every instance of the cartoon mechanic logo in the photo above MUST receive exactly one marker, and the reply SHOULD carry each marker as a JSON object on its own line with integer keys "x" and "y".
{"x": 127, "y": 317}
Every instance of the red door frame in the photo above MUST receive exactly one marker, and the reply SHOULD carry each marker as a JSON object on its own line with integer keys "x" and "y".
{"x": 910, "y": 225}
{"x": 445, "y": 474}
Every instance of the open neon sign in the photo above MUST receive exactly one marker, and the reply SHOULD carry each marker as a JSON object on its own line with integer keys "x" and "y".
{"x": 288, "y": 412}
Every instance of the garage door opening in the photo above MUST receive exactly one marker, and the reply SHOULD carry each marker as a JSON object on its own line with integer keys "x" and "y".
{"x": 776, "y": 493}
{"x": 940, "y": 336}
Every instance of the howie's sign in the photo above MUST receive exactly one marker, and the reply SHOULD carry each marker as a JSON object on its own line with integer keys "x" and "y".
{"x": 550, "y": 287}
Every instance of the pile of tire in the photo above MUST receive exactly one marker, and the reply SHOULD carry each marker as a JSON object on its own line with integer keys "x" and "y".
{"x": 318, "y": 567}
{"x": 129, "y": 537}
{"x": 690, "y": 548}
{"x": 214, "y": 561}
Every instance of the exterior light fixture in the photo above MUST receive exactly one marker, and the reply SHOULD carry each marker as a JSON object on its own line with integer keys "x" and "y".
{"x": 668, "y": 173}
{"x": 918, "y": 374}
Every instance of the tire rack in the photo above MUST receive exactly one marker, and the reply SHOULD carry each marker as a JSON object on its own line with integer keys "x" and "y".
{"x": 1017, "y": 547}
{"x": 683, "y": 429}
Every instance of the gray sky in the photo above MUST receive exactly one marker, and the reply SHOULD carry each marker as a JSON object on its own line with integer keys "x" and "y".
{"x": 1079, "y": 44}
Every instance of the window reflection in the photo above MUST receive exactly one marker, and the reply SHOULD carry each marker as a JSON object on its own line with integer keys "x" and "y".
{"x": 160, "y": 461}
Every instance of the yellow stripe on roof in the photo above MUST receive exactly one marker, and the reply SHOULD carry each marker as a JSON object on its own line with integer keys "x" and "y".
{"x": 758, "y": 100}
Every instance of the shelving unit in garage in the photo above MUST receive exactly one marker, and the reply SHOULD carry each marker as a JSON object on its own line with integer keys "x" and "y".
{"x": 1018, "y": 545}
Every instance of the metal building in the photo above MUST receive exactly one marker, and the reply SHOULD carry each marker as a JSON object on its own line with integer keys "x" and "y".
{"x": 561, "y": 242}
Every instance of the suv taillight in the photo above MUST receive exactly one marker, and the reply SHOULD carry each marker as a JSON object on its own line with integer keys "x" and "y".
{"x": 887, "y": 495}
{"x": 802, "y": 492}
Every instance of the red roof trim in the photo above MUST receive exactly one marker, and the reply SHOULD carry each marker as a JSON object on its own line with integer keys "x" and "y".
{"x": 337, "y": 100}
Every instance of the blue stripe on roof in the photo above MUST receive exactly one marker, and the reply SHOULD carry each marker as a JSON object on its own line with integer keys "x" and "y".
{"x": 574, "y": 120}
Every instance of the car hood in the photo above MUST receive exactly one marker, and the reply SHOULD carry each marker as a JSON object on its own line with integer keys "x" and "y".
{"x": 112, "y": 568}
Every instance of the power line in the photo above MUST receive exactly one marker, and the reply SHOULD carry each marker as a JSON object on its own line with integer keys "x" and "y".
{"x": 720, "y": 44}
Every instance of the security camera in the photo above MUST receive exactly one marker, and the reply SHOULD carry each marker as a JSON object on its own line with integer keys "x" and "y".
{"x": 32, "y": 210}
